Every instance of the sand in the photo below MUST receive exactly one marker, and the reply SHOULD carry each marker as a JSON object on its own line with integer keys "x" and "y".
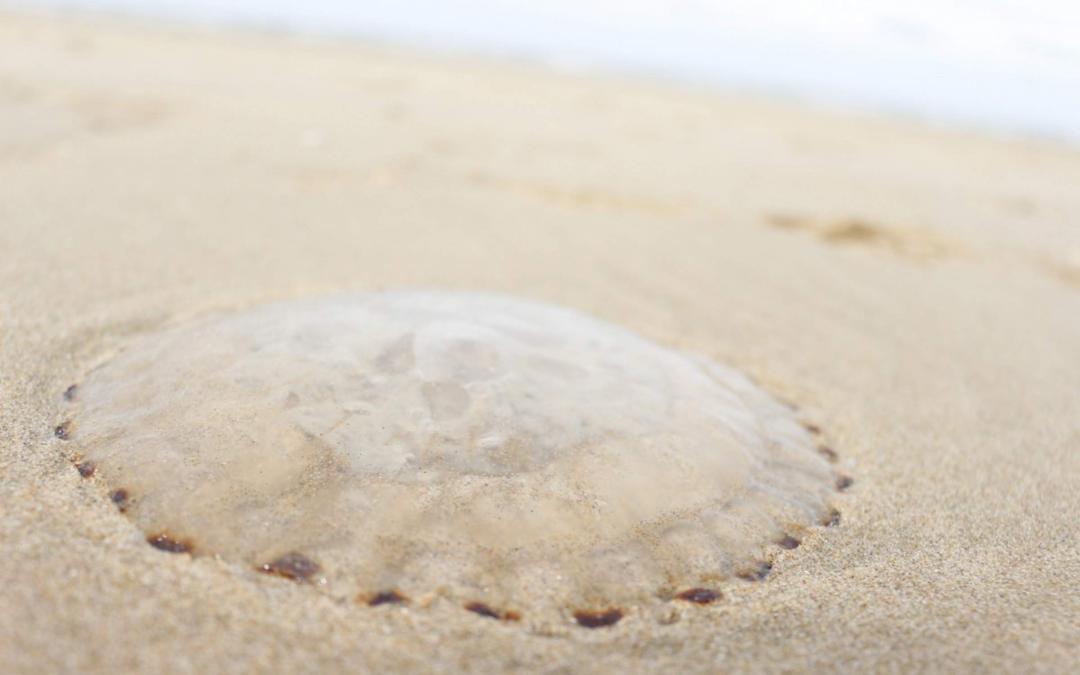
{"x": 914, "y": 291}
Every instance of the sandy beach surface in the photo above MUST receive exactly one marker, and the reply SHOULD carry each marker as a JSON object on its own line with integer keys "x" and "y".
{"x": 915, "y": 292}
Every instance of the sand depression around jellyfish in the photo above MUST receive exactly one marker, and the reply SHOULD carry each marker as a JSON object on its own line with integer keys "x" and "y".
{"x": 511, "y": 455}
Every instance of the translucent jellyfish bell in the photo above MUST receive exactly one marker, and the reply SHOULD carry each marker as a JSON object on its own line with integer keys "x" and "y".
{"x": 475, "y": 447}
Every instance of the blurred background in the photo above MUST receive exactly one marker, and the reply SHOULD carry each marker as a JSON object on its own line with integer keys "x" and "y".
{"x": 1010, "y": 66}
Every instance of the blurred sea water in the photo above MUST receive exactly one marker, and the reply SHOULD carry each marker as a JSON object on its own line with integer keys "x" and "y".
{"x": 1005, "y": 65}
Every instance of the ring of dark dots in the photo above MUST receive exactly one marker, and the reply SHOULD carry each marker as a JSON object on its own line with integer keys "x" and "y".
{"x": 297, "y": 567}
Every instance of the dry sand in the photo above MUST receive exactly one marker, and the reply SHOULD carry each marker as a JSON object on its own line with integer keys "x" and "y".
{"x": 915, "y": 292}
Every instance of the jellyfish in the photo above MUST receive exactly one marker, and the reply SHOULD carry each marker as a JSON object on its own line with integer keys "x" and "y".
{"x": 512, "y": 456}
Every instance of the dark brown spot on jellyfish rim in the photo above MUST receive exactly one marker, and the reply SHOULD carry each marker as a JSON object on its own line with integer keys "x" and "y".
{"x": 843, "y": 482}
{"x": 482, "y": 609}
{"x": 812, "y": 428}
{"x": 756, "y": 574}
{"x": 828, "y": 453}
{"x": 164, "y": 541}
{"x": 391, "y": 597}
{"x": 831, "y": 519}
{"x": 86, "y": 468}
{"x": 598, "y": 618}
{"x": 700, "y": 596}
{"x": 487, "y": 611}
{"x": 63, "y": 430}
{"x": 292, "y": 565}
{"x": 789, "y": 542}
{"x": 70, "y": 392}
{"x": 121, "y": 498}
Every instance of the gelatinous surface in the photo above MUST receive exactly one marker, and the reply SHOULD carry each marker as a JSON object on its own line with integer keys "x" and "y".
{"x": 480, "y": 447}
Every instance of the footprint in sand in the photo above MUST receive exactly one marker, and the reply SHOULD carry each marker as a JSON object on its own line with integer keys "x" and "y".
{"x": 580, "y": 197}
{"x": 33, "y": 120}
{"x": 913, "y": 243}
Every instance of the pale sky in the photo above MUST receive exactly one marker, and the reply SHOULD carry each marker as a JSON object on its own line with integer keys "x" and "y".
{"x": 1003, "y": 64}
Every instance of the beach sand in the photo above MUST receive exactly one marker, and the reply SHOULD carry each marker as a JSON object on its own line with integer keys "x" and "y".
{"x": 915, "y": 292}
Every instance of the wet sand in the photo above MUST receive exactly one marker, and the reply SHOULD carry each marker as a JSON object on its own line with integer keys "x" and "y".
{"x": 915, "y": 292}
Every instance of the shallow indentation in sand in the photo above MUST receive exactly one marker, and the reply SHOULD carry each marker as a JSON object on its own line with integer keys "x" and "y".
{"x": 34, "y": 119}
{"x": 916, "y": 243}
{"x": 583, "y": 198}
{"x": 505, "y": 454}
{"x": 1063, "y": 266}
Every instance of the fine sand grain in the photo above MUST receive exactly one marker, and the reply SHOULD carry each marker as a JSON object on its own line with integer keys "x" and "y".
{"x": 914, "y": 292}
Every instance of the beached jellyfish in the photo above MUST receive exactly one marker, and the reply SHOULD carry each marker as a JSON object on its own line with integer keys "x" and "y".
{"x": 518, "y": 458}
